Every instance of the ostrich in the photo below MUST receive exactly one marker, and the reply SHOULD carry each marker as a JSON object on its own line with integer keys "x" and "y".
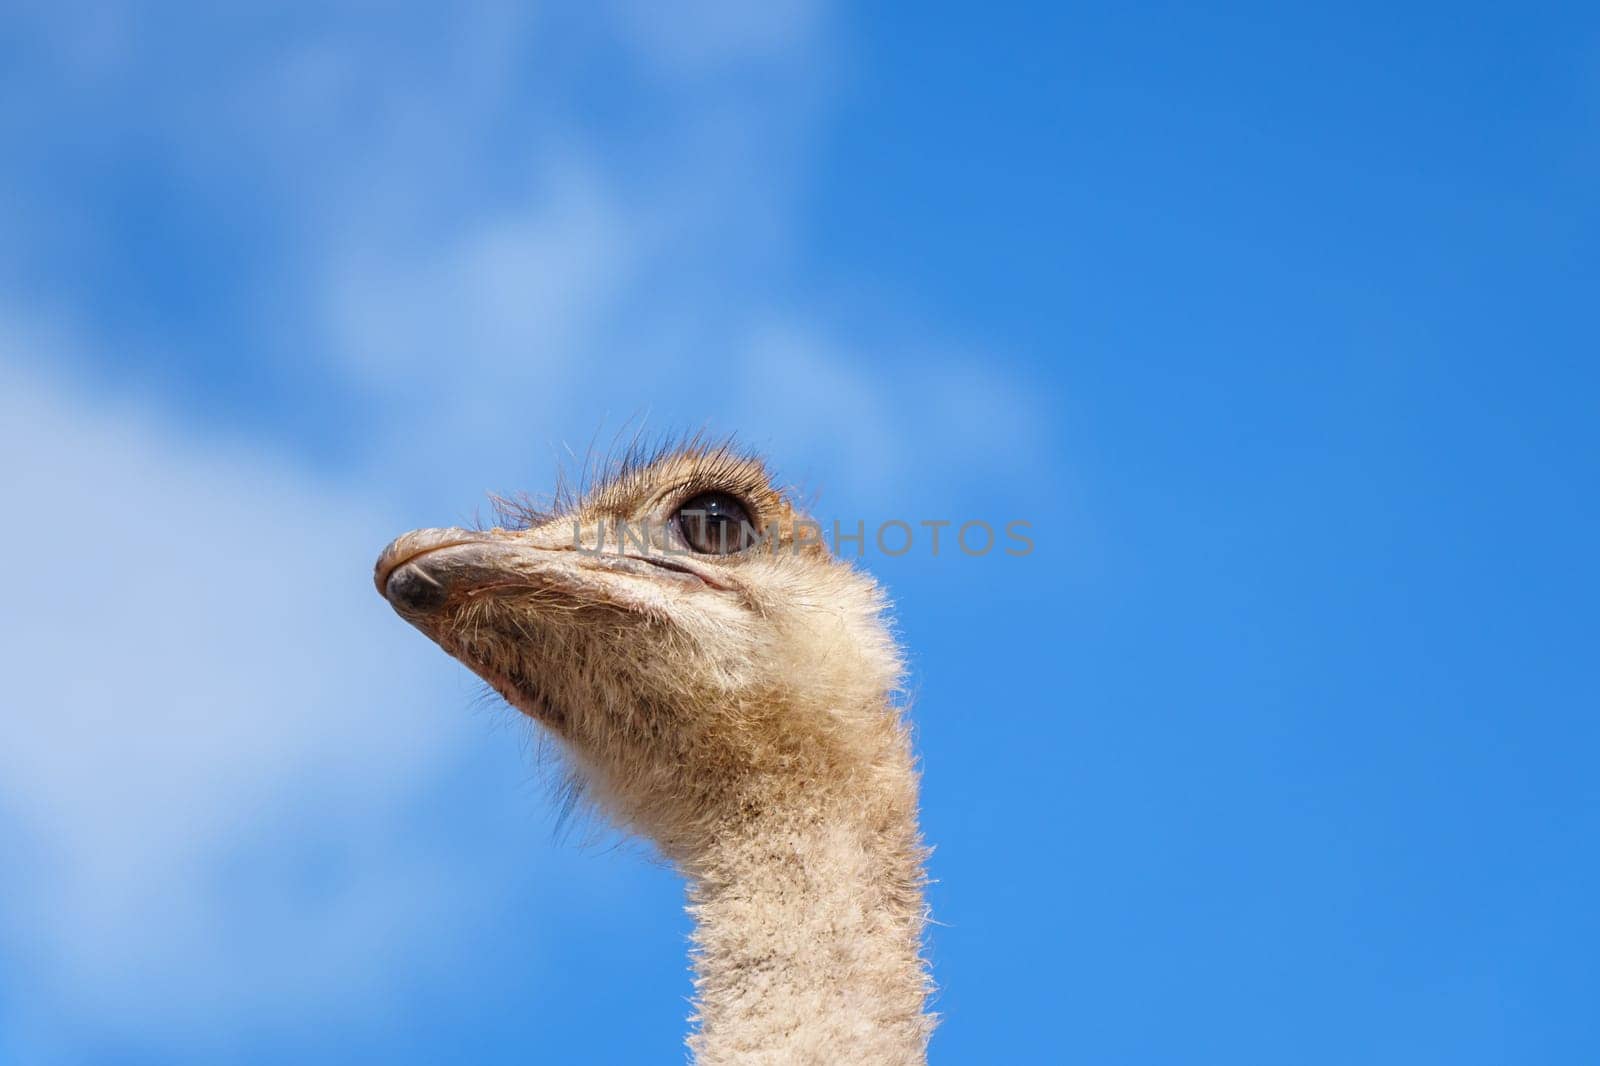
{"x": 722, "y": 685}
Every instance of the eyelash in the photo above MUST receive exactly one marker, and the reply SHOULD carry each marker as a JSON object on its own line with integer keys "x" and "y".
{"x": 688, "y": 490}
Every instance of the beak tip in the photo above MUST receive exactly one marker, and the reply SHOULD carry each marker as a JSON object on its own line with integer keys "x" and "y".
{"x": 411, "y": 590}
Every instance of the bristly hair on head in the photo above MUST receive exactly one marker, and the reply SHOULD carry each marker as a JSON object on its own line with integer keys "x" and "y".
{"x": 720, "y": 457}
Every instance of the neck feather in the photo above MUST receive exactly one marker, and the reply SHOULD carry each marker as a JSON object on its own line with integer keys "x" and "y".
{"x": 810, "y": 913}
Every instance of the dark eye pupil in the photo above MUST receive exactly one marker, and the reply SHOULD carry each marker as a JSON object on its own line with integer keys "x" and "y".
{"x": 714, "y": 523}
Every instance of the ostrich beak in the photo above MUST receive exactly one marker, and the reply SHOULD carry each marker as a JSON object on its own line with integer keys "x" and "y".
{"x": 422, "y": 570}
{"x": 427, "y": 570}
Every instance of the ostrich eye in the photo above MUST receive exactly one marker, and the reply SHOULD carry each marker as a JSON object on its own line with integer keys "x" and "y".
{"x": 714, "y": 523}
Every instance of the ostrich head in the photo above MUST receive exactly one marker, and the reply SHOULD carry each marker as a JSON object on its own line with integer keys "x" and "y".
{"x": 684, "y": 634}
{"x": 721, "y": 684}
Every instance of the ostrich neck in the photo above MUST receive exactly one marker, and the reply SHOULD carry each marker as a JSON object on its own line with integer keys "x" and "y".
{"x": 809, "y": 917}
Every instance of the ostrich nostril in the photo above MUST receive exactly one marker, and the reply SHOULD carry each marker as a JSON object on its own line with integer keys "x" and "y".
{"x": 411, "y": 589}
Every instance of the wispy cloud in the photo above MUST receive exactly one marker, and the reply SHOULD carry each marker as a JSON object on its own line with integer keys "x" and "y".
{"x": 193, "y": 665}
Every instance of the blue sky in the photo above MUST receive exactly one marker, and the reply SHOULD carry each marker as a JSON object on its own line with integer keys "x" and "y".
{"x": 1278, "y": 325}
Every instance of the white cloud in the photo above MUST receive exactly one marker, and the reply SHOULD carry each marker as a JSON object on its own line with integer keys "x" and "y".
{"x": 873, "y": 422}
{"x": 685, "y": 37}
{"x": 505, "y": 299}
{"x": 202, "y": 689}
